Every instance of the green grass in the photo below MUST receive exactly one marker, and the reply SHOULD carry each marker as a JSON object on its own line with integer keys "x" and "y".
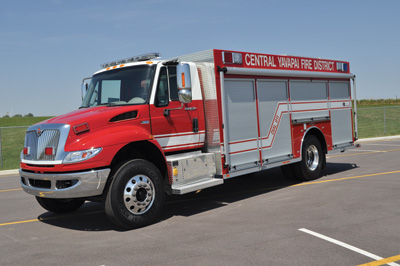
{"x": 21, "y": 121}
{"x": 12, "y": 143}
{"x": 12, "y": 139}
{"x": 378, "y": 103}
{"x": 371, "y": 122}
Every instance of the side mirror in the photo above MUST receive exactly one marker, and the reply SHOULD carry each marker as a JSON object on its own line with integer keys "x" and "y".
{"x": 184, "y": 82}
{"x": 84, "y": 87}
{"x": 185, "y": 96}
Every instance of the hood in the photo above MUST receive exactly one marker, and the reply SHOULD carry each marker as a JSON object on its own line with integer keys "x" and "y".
{"x": 96, "y": 116}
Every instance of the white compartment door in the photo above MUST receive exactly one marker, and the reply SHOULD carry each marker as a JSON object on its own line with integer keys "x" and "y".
{"x": 341, "y": 112}
{"x": 241, "y": 124}
{"x": 274, "y": 120}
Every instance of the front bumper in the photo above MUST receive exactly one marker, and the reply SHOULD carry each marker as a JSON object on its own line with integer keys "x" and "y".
{"x": 66, "y": 185}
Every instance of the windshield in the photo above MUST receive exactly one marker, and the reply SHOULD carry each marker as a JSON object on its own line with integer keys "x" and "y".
{"x": 121, "y": 86}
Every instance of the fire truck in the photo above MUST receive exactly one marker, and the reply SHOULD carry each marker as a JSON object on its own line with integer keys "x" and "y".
{"x": 149, "y": 127}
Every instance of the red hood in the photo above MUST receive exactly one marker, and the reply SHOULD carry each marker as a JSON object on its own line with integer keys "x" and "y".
{"x": 94, "y": 116}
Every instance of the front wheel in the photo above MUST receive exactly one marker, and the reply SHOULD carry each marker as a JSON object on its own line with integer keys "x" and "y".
{"x": 60, "y": 205}
{"x": 313, "y": 158}
{"x": 136, "y": 195}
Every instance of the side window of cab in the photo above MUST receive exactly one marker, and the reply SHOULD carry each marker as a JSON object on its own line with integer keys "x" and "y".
{"x": 167, "y": 88}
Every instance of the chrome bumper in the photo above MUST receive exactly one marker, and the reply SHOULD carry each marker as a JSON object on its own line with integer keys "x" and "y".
{"x": 65, "y": 186}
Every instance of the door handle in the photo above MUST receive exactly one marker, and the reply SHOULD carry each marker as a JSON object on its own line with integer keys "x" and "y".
{"x": 195, "y": 125}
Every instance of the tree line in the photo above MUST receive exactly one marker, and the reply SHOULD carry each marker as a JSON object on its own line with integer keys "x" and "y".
{"x": 18, "y": 115}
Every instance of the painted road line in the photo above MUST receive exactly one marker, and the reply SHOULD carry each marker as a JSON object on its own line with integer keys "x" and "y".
{"x": 362, "y": 150}
{"x": 352, "y": 154}
{"x": 382, "y": 262}
{"x": 344, "y": 178}
{"x": 21, "y": 222}
{"x": 50, "y": 218}
{"x": 376, "y": 144}
{"x": 342, "y": 244}
{"x": 280, "y": 187}
{"x": 380, "y": 139}
{"x": 229, "y": 194}
{"x": 7, "y": 190}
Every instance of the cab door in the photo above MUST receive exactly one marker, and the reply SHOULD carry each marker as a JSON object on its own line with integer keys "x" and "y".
{"x": 174, "y": 125}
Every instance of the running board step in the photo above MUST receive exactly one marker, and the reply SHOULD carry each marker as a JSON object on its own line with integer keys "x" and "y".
{"x": 198, "y": 185}
{"x": 192, "y": 171}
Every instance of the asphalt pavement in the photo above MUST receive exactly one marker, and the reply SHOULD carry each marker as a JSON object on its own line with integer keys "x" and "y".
{"x": 350, "y": 216}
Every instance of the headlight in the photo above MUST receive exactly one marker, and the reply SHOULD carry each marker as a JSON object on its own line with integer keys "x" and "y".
{"x": 78, "y": 156}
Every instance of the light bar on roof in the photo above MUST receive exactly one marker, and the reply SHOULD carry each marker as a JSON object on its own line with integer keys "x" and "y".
{"x": 231, "y": 58}
{"x": 342, "y": 67}
{"x": 138, "y": 58}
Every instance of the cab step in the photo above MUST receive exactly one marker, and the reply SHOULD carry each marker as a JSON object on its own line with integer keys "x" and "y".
{"x": 192, "y": 171}
{"x": 195, "y": 186}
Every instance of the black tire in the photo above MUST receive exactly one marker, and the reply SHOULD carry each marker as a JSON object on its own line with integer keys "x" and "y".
{"x": 313, "y": 158}
{"x": 60, "y": 205}
{"x": 136, "y": 195}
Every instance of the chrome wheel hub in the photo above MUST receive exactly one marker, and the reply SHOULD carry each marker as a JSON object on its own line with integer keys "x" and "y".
{"x": 139, "y": 194}
{"x": 312, "y": 159}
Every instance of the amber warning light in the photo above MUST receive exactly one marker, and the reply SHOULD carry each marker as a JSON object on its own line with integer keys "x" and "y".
{"x": 138, "y": 58}
{"x": 183, "y": 80}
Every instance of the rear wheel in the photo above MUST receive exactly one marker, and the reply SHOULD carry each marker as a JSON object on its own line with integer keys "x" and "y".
{"x": 60, "y": 205}
{"x": 136, "y": 195}
{"x": 313, "y": 158}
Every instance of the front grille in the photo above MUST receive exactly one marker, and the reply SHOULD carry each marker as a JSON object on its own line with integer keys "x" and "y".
{"x": 40, "y": 183}
{"x": 60, "y": 184}
{"x": 38, "y": 143}
{"x": 41, "y": 165}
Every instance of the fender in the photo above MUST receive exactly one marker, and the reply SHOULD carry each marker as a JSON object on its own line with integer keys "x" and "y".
{"x": 320, "y": 135}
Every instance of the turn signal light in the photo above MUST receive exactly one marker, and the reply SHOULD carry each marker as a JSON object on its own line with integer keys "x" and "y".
{"x": 175, "y": 171}
{"x": 183, "y": 80}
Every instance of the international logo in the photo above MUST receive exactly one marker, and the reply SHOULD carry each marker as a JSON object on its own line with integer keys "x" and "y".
{"x": 39, "y": 132}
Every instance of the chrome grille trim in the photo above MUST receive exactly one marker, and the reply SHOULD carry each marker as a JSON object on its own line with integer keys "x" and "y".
{"x": 38, "y": 137}
{"x": 31, "y": 142}
{"x": 38, "y": 144}
{"x": 49, "y": 138}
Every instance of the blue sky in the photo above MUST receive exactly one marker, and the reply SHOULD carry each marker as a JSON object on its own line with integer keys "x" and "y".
{"x": 48, "y": 46}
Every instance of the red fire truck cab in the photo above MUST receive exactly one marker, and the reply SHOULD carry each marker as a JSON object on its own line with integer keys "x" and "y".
{"x": 148, "y": 127}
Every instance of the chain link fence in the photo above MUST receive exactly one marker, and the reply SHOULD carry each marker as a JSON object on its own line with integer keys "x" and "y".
{"x": 11, "y": 145}
{"x": 378, "y": 121}
{"x": 372, "y": 122}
